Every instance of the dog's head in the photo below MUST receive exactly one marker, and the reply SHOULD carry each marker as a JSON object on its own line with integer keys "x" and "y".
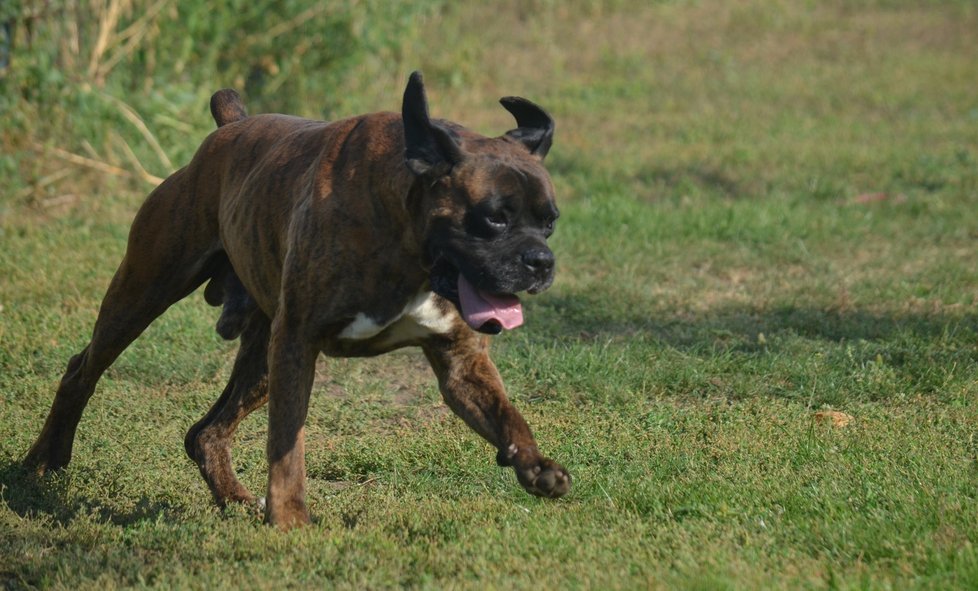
{"x": 488, "y": 208}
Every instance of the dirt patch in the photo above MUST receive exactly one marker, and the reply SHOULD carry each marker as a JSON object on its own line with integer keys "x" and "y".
{"x": 401, "y": 380}
{"x": 833, "y": 418}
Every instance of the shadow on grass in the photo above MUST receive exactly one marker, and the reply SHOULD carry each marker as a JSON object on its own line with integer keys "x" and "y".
{"x": 29, "y": 496}
{"x": 585, "y": 318}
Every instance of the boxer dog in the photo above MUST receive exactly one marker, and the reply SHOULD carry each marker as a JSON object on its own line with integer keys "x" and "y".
{"x": 349, "y": 238}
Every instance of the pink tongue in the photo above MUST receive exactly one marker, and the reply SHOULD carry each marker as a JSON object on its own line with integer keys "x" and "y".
{"x": 479, "y": 307}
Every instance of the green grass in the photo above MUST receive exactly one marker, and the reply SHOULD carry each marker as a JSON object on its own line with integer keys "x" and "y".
{"x": 720, "y": 280}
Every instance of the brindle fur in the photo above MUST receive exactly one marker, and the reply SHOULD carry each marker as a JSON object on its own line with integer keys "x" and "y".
{"x": 300, "y": 226}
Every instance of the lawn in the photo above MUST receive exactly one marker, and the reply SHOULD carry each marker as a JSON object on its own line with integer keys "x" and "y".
{"x": 769, "y": 210}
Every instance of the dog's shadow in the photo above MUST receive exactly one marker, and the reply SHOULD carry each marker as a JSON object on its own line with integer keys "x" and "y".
{"x": 865, "y": 353}
{"x": 585, "y": 315}
{"x": 53, "y": 496}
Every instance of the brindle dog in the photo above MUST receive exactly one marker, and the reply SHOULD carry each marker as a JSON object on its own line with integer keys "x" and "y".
{"x": 349, "y": 238}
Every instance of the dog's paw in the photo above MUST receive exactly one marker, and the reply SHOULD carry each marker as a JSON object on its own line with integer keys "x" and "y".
{"x": 544, "y": 478}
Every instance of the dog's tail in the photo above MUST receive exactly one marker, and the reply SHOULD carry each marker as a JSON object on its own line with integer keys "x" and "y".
{"x": 227, "y": 107}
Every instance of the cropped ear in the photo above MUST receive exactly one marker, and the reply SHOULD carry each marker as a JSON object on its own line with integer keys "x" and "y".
{"x": 536, "y": 126}
{"x": 429, "y": 148}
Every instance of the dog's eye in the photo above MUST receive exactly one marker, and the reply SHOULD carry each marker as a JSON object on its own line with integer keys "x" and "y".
{"x": 549, "y": 227}
{"x": 497, "y": 220}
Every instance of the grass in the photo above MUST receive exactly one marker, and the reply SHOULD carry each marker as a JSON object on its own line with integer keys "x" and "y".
{"x": 768, "y": 210}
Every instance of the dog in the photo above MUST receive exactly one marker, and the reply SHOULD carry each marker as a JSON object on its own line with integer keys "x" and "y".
{"x": 348, "y": 238}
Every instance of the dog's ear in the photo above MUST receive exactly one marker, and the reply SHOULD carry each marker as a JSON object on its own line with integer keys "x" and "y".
{"x": 535, "y": 126}
{"x": 429, "y": 148}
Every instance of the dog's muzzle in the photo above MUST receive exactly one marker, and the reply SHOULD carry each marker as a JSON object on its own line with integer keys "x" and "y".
{"x": 486, "y": 301}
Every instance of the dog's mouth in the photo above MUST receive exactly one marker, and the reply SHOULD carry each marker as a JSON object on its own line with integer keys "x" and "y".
{"x": 486, "y": 312}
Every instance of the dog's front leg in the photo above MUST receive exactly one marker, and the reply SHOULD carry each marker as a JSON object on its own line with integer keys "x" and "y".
{"x": 292, "y": 365}
{"x": 472, "y": 388}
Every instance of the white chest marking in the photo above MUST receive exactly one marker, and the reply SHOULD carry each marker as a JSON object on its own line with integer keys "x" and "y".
{"x": 362, "y": 327}
{"x": 429, "y": 316}
{"x": 419, "y": 318}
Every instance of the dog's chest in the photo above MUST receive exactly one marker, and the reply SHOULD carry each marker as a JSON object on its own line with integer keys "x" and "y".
{"x": 423, "y": 316}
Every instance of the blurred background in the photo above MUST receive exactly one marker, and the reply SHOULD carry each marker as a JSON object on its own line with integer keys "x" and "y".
{"x": 736, "y": 99}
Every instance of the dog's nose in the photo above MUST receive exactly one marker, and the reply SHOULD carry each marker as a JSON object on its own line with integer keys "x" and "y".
{"x": 538, "y": 260}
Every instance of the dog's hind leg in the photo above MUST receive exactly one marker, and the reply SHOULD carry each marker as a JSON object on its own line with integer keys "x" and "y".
{"x": 128, "y": 308}
{"x": 208, "y": 443}
{"x": 158, "y": 270}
